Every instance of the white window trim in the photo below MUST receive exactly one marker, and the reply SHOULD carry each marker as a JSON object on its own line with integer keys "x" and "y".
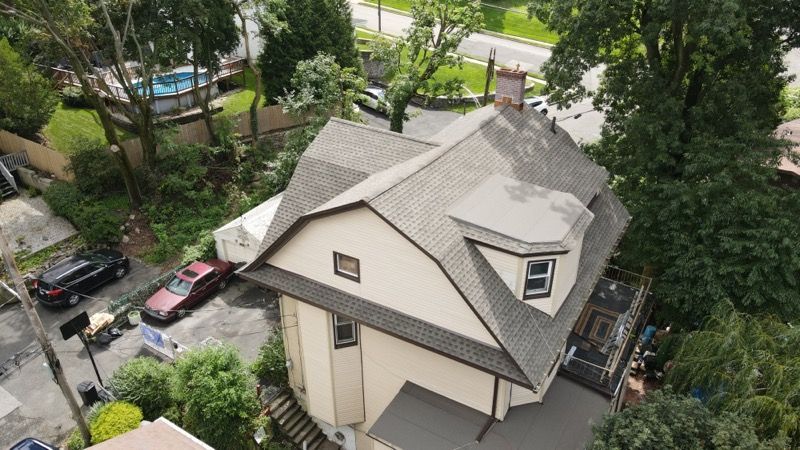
{"x": 548, "y": 276}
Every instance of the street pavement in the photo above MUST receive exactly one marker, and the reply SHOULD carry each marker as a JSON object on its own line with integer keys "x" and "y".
{"x": 241, "y": 315}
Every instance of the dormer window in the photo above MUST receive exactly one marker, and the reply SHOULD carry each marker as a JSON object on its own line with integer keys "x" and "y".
{"x": 539, "y": 281}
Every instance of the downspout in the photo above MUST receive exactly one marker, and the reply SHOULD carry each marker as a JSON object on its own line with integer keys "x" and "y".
{"x": 493, "y": 419}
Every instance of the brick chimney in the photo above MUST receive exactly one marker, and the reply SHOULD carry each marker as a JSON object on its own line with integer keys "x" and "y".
{"x": 510, "y": 88}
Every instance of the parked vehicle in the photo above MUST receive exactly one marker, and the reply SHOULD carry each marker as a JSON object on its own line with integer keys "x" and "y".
{"x": 538, "y": 103}
{"x": 71, "y": 279}
{"x": 187, "y": 288}
{"x": 375, "y": 98}
{"x": 32, "y": 444}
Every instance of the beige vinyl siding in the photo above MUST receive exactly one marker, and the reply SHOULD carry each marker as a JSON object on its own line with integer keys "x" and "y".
{"x": 508, "y": 266}
{"x": 291, "y": 343}
{"x": 315, "y": 339}
{"x": 522, "y": 396}
{"x": 394, "y": 272}
{"x": 550, "y": 377}
{"x": 347, "y": 385}
{"x": 389, "y": 363}
{"x": 503, "y": 399}
{"x": 567, "y": 273}
{"x": 378, "y": 445}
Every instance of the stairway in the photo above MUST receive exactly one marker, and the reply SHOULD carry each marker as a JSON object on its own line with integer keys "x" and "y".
{"x": 295, "y": 423}
{"x": 6, "y": 189}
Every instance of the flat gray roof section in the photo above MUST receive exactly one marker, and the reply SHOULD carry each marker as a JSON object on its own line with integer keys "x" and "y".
{"x": 524, "y": 212}
{"x": 563, "y": 421}
{"x": 421, "y": 419}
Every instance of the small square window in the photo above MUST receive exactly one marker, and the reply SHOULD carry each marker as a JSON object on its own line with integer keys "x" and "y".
{"x": 539, "y": 280}
{"x": 346, "y": 266}
{"x": 345, "y": 332}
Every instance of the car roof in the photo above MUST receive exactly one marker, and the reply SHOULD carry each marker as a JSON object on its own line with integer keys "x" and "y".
{"x": 195, "y": 270}
{"x": 64, "y": 267}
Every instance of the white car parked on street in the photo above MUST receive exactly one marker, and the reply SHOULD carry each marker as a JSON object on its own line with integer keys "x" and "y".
{"x": 538, "y": 103}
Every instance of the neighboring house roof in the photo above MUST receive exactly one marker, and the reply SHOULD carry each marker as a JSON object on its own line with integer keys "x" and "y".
{"x": 256, "y": 221}
{"x": 791, "y": 132}
{"x": 159, "y": 435}
{"x": 421, "y": 181}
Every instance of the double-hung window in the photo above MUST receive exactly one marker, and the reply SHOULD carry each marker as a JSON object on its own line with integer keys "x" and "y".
{"x": 345, "y": 332}
{"x": 539, "y": 280}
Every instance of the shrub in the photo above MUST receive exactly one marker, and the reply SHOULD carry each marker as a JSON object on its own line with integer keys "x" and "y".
{"x": 62, "y": 198}
{"x": 218, "y": 394}
{"x": 113, "y": 419}
{"x": 72, "y": 96}
{"x": 96, "y": 172}
{"x": 205, "y": 248}
{"x": 75, "y": 441}
{"x": 270, "y": 364}
{"x": 141, "y": 381}
{"x": 27, "y": 100}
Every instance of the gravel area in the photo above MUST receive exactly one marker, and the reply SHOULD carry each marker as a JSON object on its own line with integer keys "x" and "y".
{"x": 29, "y": 224}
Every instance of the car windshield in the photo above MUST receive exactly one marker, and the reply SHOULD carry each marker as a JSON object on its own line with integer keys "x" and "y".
{"x": 178, "y": 286}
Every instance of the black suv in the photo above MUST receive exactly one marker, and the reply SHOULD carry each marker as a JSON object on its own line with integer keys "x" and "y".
{"x": 67, "y": 282}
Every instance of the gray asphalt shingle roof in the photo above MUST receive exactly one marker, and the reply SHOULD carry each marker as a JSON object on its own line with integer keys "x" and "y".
{"x": 415, "y": 196}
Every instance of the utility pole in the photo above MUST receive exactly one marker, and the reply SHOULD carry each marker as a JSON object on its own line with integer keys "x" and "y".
{"x": 489, "y": 75}
{"x": 379, "y": 16}
{"x": 41, "y": 336}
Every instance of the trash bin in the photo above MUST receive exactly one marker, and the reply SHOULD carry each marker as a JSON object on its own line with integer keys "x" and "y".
{"x": 88, "y": 393}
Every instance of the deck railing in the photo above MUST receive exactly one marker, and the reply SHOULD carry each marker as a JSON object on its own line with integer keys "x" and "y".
{"x": 14, "y": 160}
{"x": 227, "y": 69}
{"x": 8, "y": 177}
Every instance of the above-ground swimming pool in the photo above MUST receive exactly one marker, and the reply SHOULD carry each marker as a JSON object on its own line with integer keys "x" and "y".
{"x": 172, "y": 83}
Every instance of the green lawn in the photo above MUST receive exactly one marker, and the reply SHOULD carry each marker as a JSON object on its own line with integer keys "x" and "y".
{"x": 513, "y": 23}
{"x": 70, "y": 123}
{"x": 240, "y": 101}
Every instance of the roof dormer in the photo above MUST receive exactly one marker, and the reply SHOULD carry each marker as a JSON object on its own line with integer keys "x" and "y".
{"x": 531, "y": 235}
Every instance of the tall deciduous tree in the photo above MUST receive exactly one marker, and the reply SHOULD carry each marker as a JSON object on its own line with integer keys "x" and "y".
{"x": 312, "y": 26}
{"x": 266, "y": 12}
{"x": 67, "y": 23}
{"x": 669, "y": 421}
{"x": 748, "y": 365}
{"x": 206, "y": 30}
{"x": 438, "y": 28}
{"x": 691, "y": 92}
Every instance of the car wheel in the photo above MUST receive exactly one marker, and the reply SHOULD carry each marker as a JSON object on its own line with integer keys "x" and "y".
{"x": 120, "y": 272}
{"x": 544, "y": 111}
{"x": 223, "y": 284}
{"x": 73, "y": 299}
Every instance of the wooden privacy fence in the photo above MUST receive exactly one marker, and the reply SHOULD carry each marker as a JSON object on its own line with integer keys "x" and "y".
{"x": 40, "y": 157}
{"x": 271, "y": 118}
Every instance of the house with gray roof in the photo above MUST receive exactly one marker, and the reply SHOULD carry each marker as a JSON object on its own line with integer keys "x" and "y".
{"x": 452, "y": 293}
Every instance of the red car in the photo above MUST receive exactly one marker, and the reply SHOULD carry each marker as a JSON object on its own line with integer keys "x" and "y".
{"x": 187, "y": 288}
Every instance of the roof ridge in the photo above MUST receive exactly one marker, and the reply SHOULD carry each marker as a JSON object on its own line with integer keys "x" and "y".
{"x": 382, "y": 131}
{"x": 444, "y": 149}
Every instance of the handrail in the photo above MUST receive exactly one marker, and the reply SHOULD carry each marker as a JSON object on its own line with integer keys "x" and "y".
{"x": 7, "y": 175}
{"x": 14, "y": 160}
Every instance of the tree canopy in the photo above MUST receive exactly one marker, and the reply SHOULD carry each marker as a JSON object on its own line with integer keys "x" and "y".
{"x": 26, "y": 99}
{"x": 311, "y": 26}
{"x": 691, "y": 95}
{"x": 430, "y": 43}
{"x": 749, "y": 365}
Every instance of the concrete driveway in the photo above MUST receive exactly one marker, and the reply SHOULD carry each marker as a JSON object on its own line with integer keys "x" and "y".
{"x": 241, "y": 315}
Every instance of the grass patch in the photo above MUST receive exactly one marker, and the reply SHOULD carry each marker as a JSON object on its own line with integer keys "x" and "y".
{"x": 240, "y": 101}
{"x": 512, "y": 23}
{"x": 468, "y": 107}
{"x": 473, "y": 74}
{"x": 69, "y": 123}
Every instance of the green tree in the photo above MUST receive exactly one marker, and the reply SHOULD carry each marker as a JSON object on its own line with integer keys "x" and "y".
{"x": 142, "y": 381}
{"x": 270, "y": 363}
{"x": 748, "y": 365}
{"x": 669, "y": 421}
{"x": 27, "y": 101}
{"x": 691, "y": 95}
{"x": 321, "y": 88}
{"x": 438, "y": 29}
{"x": 113, "y": 419}
{"x": 312, "y": 26}
{"x": 218, "y": 395}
